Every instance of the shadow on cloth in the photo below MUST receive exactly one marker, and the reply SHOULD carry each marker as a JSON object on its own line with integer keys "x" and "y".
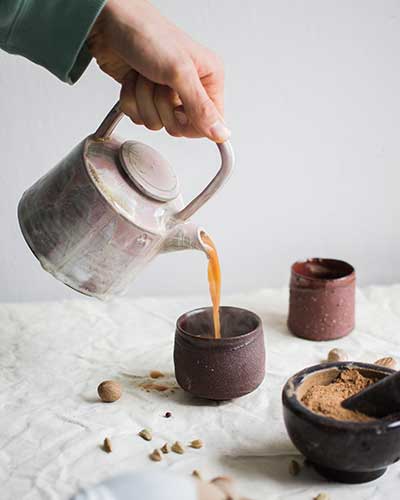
{"x": 275, "y": 467}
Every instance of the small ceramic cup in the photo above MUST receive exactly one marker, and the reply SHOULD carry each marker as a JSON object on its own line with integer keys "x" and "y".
{"x": 348, "y": 452}
{"x": 322, "y": 299}
{"x": 219, "y": 369}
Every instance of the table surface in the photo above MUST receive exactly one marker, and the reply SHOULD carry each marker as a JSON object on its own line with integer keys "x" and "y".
{"x": 53, "y": 356}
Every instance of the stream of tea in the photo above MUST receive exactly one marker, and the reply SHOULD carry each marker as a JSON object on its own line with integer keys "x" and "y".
{"x": 214, "y": 281}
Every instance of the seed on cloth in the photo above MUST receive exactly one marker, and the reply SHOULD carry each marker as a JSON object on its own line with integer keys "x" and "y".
{"x": 155, "y": 456}
{"x": 146, "y": 434}
{"x": 322, "y": 496}
{"x": 197, "y": 444}
{"x": 165, "y": 448}
{"x": 156, "y": 374}
{"x": 107, "y": 445}
{"x": 178, "y": 448}
{"x": 168, "y": 414}
{"x": 388, "y": 362}
{"x": 294, "y": 468}
{"x": 196, "y": 474}
{"x": 337, "y": 355}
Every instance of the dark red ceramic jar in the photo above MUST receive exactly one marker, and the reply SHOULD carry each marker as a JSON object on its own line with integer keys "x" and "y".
{"x": 322, "y": 299}
{"x": 219, "y": 369}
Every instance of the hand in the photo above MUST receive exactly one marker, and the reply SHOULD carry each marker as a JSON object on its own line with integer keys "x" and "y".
{"x": 168, "y": 80}
{"x": 220, "y": 488}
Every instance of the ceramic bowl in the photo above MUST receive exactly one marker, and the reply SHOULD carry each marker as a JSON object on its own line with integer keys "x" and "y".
{"x": 219, "y": 369}
{"x": 322, "y": 299}
{"x": 349, "y": 452}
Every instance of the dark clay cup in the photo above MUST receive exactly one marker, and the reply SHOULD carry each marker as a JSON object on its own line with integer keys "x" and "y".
{"x": 322, "y": 299}
{"x": 349, "y": 452}
{"x": 219, "y": 369}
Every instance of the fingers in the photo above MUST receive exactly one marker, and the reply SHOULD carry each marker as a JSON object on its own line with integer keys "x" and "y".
{"x": 165, "y": 100}
{"x": 146, "y": 105}
{"x": 220, "y": 488}
{"x": 151, "y": 105}
{"x": 200, "y": 110}
{"x": 227, "y": 486}
{"x": 192, "y": 109}
{"x": 207, "y": 491}
{"x": 137, "y": 101}
{"x": 127, "y": 98}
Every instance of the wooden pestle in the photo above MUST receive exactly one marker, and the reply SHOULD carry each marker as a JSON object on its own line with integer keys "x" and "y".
{"x": 377, "y": 400}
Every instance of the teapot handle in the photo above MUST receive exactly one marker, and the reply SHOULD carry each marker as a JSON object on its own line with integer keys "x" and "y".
{"x": 109, "y": 123}
{"x": 107, "y": 127}
{"x": 227, "y": 162}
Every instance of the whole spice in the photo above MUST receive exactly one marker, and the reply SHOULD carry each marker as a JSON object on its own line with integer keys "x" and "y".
{"x": 155, "y": 456}
{"x": 165, "y": 448}
{"x": 168, "y": 414}
{"x": 196, "y": 443}
{"x": 337, "y": 355}
{"x": 156, "y": 374}
{"x": 109, "y": 391}
{"x": 388, "y": 362}
{"x": 294, "y": 468}
{"x": 178, "y": 448}
{"x": 146, "y": 434}
{"x": 155, "y": 387}
{"x": 107, "y": 445}
{"x": 322, "y": 496}
{"x": 196, "y": 474}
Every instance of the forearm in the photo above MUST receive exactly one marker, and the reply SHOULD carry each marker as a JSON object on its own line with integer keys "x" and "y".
{"x": 51, "y": 33}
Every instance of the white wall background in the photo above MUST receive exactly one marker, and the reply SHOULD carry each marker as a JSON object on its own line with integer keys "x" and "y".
{"x": 313, "y": 99}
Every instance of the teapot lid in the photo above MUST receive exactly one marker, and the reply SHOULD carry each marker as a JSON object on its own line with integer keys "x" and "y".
{"x": 149, "y": 171}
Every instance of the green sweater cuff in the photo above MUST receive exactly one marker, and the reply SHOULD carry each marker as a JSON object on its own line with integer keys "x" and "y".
{"x": 53, "y": 34}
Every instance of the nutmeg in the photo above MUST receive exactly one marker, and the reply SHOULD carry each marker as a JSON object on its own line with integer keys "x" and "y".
{"x": 109, "y": 391}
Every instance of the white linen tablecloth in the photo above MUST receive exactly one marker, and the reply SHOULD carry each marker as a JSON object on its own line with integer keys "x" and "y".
{"x": 53, "y": 356}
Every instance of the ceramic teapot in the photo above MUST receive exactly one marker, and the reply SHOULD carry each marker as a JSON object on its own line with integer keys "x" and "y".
{"x": 108, "y": 208}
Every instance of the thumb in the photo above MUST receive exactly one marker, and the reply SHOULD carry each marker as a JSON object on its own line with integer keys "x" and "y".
{"x": 199, "y": 110}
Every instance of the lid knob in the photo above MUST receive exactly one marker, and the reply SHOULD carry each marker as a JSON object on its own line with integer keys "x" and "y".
{"x": 149, "y": 171}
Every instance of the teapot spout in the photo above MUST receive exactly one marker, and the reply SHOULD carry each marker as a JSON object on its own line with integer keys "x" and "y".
{"x": 184, "y": 236}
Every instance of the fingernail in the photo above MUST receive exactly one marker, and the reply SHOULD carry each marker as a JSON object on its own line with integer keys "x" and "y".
{"x": 181, "y": 117}
{"x": 219, "y": 132}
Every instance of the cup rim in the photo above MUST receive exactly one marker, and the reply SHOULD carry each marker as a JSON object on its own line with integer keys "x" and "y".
{"x": 327, "y": 260}
{"x": 200, "y": 338}
{"x": 291, "y": 402}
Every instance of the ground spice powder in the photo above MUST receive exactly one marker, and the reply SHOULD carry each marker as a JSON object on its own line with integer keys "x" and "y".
{"x": 326, "y": 399}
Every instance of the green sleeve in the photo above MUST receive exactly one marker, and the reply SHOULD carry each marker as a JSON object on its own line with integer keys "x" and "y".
{"x": 50, "y": 33}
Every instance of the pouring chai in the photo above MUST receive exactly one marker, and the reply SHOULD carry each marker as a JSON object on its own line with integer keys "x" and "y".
{"x": 214, "y": 281}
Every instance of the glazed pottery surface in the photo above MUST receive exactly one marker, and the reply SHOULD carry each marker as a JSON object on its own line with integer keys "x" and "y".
{"x": 108, "y": 208}
{"x": 219, "y": 369}
{"x": 350, "y": 452}
{"x": 322, "y": 299}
